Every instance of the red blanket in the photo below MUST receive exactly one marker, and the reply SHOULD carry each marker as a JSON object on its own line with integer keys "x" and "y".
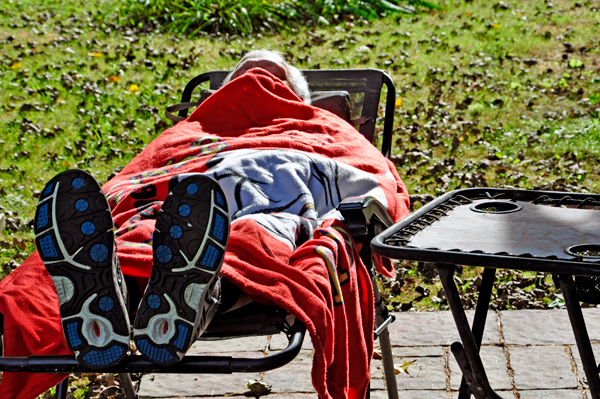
{"x": 255, "y": 111}
{"x": 322, "y": 282}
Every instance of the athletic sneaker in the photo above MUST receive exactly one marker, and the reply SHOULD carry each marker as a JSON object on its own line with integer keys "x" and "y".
{"x": 75, "y": 239}
{"x": 191, "y": 233}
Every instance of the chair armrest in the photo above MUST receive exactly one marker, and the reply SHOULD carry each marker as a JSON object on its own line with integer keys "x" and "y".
{"x": 361, "y": 212}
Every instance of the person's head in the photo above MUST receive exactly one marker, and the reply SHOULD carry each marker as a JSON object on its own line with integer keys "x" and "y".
{"x": 274, "y": 63}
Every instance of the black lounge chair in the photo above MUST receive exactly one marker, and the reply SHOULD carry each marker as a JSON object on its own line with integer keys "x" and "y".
{"x": 352, "y": 94}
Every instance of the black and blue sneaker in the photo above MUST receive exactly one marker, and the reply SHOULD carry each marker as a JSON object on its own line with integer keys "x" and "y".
{"x": 75, "y": 239}
{"x": 191, "y": 233}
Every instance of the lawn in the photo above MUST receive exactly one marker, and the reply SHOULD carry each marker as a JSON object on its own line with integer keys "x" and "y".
{"x": 501, "y": 93}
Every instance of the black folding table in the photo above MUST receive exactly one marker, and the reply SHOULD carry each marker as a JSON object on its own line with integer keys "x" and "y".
{"x": 528, "y": 230}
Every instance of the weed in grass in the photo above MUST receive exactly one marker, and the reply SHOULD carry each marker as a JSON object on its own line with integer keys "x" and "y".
{"x": 247, "y": 16}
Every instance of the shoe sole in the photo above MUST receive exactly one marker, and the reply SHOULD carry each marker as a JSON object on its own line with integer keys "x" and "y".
{"x": 191, "y": 233}
{"x": 75, "y": 239}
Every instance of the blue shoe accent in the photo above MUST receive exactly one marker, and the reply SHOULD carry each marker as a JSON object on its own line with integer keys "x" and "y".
{"x": 193, "y": 247}
{"x": 192, "y": 189}
{"x": 88, "y": 228}
{"x": 210, "y": 257}
{"x": 106, "y": 303}
{"x": 99, "y": 253}
{"x": 180, "y": 341}
{"x": 219, "y": 227}
{"x": 219, "y": 199}
{"x": 73, "y": 335}
{"x": 175, "y": 232}
{"x": 78, "y": 183}
{"x": 42, "y": 219}
{"x": 48, "y": 189}
{"x": 153, "y": 301}
{"x": 164, "y": 254}
{"x": 48, "y": 247}
{"x": 81, "y": 205}
{"x": 157, "y": 355}
{"x": 184, "y": 210}
{"x": 105, "y": 357}
{"x": 74, "y": 248}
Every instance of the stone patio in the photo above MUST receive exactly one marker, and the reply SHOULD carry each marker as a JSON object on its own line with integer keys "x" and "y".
{"x": 528, "y": 354}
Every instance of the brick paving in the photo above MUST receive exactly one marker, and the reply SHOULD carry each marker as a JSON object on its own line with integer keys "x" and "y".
{"x": 527, "y": 354}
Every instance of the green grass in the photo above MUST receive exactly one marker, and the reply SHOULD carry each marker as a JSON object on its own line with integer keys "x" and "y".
{"x": 489, "y": 97}
{"x": 419, "y": 288}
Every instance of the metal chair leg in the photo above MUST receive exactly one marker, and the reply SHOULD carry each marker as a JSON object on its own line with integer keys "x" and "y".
{"x": 483, "y": 302}
{"x": 386, "y": 346}
{"x": 481, "y": 389}
{"x": 581, "y": 335}
{"x": 62, "y": 388}
{"x": 127, "y": 386}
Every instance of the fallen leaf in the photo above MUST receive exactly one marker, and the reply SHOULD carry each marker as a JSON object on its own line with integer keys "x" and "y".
{"x": 21, "y": 244}
{"x": 256, "y": 387}
{"x": 95, "y": 54}
{"x": 377, "y": 354}
{"x": 134, "y": 88}
{"x": 114, "y": 79}
{"x": 403, "y": 367}
{"x": 455, "y": 143}
{"x": 107, "y": 379}
{"x": 259, "y": 388}
{"x": 398, "y": 102}
{"x": 12, "y": 264}
{"x": 498, "y": 103}
{"x": 422, "y": 290}
{"x": 17, "y": 65}
{"x": 501, "y": 6}
{"x": 111, "y": 391}
{"x": 496, "y": 26}
{"x": 27, "y": 107}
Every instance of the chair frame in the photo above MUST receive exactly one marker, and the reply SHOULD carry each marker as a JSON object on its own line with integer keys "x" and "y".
{"x": 365, "y": 218}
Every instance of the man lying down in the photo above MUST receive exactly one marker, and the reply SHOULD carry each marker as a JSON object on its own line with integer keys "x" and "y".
{"x": 241, "y": 194}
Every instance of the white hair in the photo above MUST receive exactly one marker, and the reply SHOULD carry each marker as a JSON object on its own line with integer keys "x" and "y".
{"x": 294, "y": 78}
